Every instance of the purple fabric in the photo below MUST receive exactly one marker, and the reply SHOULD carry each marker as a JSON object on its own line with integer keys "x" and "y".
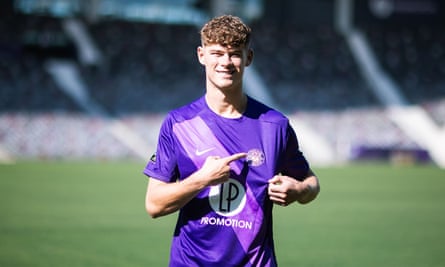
{"x": 228, "y": 224}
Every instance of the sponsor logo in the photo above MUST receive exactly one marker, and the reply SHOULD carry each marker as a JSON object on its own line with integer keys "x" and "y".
{"x": 228, "y": 199}
{"x": 204, "y": 151}
{"x": 227, "y": 222}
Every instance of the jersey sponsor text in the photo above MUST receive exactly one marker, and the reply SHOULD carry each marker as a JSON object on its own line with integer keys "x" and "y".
{"x": 227, "y": 222}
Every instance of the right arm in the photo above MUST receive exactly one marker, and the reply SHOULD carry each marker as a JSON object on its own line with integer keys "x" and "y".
{"x": 163, "y": 198}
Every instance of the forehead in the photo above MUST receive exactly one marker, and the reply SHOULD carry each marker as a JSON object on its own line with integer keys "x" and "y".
{"x": 219, "y": 47}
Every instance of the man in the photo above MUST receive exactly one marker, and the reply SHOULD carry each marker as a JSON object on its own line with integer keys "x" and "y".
{"x": 223, "y": 160}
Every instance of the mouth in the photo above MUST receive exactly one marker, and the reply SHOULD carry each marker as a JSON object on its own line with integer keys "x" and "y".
{"x": 225, "y": 72}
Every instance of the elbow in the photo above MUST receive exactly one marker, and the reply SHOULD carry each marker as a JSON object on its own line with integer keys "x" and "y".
{"x": 156, "y": 211}
{"x": 153, "y": 210}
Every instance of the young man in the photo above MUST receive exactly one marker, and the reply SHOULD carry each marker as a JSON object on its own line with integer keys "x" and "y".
{"x": 223, "y": 160}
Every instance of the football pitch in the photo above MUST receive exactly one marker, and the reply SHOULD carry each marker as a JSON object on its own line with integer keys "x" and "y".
{"x": 92, "y": 214}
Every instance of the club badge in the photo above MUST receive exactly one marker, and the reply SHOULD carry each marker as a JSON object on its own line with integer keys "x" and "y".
{"x": 255, "y": 157}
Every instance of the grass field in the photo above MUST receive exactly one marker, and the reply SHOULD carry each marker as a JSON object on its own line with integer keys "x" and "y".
{"x": 92, "y": 214}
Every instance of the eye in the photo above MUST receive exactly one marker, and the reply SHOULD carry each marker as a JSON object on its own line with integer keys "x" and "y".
{"x": 236, "y": 54}
{"x": 216, "y": 53}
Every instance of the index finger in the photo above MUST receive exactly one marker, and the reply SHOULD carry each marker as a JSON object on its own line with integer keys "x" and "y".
{"x": 234, "y": 157}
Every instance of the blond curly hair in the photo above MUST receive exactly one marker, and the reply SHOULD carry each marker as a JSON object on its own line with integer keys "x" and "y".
{"x": 226, "y": 30}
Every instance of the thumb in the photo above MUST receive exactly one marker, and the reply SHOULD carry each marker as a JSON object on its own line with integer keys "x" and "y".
{"x": 275, "y": 180}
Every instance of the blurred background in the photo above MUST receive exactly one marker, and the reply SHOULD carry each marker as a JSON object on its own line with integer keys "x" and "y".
{"x": 93, "y": 79}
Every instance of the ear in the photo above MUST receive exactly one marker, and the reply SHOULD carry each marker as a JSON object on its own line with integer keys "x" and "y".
{"x": 200, "y": 54}
{"x": 249, "y": 57}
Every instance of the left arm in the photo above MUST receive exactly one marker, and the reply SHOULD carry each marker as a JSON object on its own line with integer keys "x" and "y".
{"x": 284, "y": 190}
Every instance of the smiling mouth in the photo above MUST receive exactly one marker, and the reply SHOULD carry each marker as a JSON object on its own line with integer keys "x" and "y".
{"x": 226, "y": 72}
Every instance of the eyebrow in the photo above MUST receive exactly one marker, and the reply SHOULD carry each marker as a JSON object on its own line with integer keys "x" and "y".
{"x": 230, "y": 50}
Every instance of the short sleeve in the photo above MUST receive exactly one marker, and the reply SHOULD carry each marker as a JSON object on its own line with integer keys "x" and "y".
{"x": 163, "y": 164}
{"x": 293, "y": 163}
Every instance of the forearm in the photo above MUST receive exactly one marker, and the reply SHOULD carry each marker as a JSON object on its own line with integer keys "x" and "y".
{"x": 166, "y": 198}
{"x": 311, "y": 188}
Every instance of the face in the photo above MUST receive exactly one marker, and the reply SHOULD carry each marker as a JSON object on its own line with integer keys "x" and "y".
{"x": 224, "y": 65}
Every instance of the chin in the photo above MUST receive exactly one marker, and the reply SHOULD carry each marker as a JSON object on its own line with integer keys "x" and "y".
{"x": 227, "y": 87}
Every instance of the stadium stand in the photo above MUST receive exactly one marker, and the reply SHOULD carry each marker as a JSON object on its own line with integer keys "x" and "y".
{"x": 308, "y": 68}
{"x": 147, "y": 68}
{"x": 25, "y": 85}
{"x": 414, "y": 55}
{"x": 410, "y": 47}
{"x": 150, "y": 68}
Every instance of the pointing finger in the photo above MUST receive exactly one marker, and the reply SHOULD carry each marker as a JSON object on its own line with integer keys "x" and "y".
{"x": 234, "y": 157}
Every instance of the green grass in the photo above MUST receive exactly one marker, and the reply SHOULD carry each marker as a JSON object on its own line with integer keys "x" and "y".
{"x": 92, "y": 214}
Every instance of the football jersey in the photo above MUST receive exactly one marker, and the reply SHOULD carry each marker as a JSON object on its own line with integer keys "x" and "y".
{"x": 228, "y": 224}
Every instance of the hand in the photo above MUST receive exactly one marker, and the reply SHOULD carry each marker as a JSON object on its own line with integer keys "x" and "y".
{"x": 216, "y": 170}
{"x": 284, "y": 190}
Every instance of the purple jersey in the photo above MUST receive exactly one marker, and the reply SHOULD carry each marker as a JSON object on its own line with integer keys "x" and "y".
{"x": 228, "y": 224}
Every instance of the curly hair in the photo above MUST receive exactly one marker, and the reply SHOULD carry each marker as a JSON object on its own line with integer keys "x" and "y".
{"x": 226, "y": 30}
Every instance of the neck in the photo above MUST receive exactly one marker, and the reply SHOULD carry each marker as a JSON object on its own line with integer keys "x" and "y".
{"x": 228, "y": 106}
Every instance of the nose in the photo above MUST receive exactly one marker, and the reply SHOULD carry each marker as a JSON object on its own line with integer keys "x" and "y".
{"x": 225, "y": 59}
